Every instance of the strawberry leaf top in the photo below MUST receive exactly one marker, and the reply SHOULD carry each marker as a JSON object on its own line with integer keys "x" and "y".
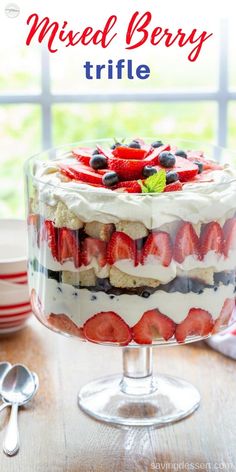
{"x": 156, "y": 183}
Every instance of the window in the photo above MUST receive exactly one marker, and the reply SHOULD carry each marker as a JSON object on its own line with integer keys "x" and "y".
{"x": 47, "y": 105}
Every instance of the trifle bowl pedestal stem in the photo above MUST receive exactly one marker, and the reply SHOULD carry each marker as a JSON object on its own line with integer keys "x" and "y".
{"x": 138, "y": 398}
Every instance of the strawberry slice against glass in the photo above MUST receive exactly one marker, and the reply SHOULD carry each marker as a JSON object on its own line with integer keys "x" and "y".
{"x": 107, "y": 327}
{"x": 198, "y": 322}
{"x": 93, "y": 248}
{"x": 48, "y": 233}
{"x": 211, "y": 239}
{"x": 229, "y": 231}
{"x": 68, "y": 247}
{"x": 225, "y": 314}
{"x": 186, "y": 243}
{"x": 121, "y": 246}
{"x": 158, "y": 244}
{"x": 152, "y": 326}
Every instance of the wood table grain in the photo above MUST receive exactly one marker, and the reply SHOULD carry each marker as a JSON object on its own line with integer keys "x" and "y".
{"x": 57, "y": 436}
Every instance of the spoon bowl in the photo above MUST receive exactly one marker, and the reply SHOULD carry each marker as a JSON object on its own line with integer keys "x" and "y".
{"x": 4, "y": 368}
{"x": 18, "y": 388}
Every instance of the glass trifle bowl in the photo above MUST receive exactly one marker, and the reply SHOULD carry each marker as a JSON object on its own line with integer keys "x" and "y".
{"x": 133, "y": 246}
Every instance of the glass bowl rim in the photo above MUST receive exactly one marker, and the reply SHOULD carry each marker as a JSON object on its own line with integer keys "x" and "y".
{"x": 108, "y": 191}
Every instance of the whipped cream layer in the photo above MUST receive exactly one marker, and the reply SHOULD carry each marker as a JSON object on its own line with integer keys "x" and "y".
{"x": 198, "y": 202}
{"x": 81, "y": 304}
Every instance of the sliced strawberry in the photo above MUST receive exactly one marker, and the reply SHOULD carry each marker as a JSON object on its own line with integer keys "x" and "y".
{"x": 68, "y": 247}
{"x": 211, "y": 238}
{"x": 198, "y": 322}
{"x": 49, "y": 233}
{"x": 198, "y": 156}
{"x": 33, "y": 219}
{"x": 174, "y": 187}
{"x": 105, "y": 152}
{"x": 83, "y": 154}
{"x": 82, "y": 172}
{"x": 107, "y": 327}
{"x": 186, "y": 243}
{"x": 153, "y": 326}
{"x": 203, "y": 177}
{"x": 127, "y": 169}
{"x": 186, "y": 170}
{"x": 152, "y": 158}
{"x": 225, "y": 314}
{"x": 65, "y": 324}
{"x": 121, "y": 246}
{"x": 229, "y": 231}
{"x": 131, "y": 186}
{"x": 66, "y": 171}
{"x": 158, "y": 244}
{"x": 92, "y": 247}
{"x": 124, "y": 152}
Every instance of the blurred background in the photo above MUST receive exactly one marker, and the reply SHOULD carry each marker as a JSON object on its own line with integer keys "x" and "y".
{"x": 46, "y": 101}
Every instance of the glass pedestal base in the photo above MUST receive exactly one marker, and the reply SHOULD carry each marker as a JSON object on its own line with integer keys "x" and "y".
{"x": 156, "y": 401}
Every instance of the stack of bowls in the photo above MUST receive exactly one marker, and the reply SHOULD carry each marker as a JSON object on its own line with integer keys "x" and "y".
{"x": 15, "y": 306}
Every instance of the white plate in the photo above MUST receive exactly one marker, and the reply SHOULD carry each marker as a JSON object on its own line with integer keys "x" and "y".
{"x": 13, "y": 246}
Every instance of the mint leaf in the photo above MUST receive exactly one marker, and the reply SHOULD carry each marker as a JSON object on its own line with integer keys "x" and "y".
{"x": 155, "y": 183}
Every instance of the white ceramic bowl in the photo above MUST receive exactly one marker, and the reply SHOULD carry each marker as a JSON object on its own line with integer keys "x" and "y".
{"x": 13, "y": 249}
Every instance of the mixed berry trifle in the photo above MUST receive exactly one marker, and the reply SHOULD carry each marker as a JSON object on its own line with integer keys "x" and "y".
{"x": 133, "y": 242}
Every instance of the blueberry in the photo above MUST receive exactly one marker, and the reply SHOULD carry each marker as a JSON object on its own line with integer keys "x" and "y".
{"x": 200, "y": 166}
{"x": 93, "y": 297}
{"x": 75, "y": 294}
{"x": 167, "y": 159}
{"x": 181, "y": 153}
{"x": 134, "y": 145}
{"x": 98, "y": 161}
{"x": 171, "y": 177}
{"x": 200, "y": 291}
{"x": 146, "y": 294}
{"x": 149, "y": 170}
{"x": 95, "y": 152}
{"x": 157, "y": 144}
{"x": 109, "y": 179}
{"x": 59, "y": 289}
{"x": 115, "y": 145}
{"x": 112, "y": 296}
{"x": 215, "y": 289}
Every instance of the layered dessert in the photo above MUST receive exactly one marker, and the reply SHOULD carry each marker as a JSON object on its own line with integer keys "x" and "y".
{"x": 133, "y": 243}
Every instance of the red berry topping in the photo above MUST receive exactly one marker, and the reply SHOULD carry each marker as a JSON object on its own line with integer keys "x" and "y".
{"x": 225, "y": 314}
{"x": 82, "y": 172}
{"x": 68, "y": 246}
{"x": 229, "y": 231}
{"x": 49, "y": 234}
{"x": 198, "y": 156}
{"x": 131, "y": 186}
{"x": 92, "y": 247}
{"x": 186, "y": 243}
{"x": 153, "y": 326}
{"x": 198, "y": 322}
{"x": 124, "y": 152}
{"x": 159, "y": 245}
{"x": 107, "y": 327}
{"x": 121, "y": 246}
{"x": 211, "y": 238}
{"x": 175, "y": 187}
{"x": 127, "y": 169}
{"x": 83, "y": 154}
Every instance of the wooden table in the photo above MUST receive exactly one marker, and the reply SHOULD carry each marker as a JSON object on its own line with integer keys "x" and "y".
{"x": 57, "y": 436}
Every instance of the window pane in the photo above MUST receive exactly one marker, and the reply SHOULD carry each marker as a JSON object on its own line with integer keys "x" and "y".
{"x": 232, "y": 55}
{"x": 188, "y": 120}
{"x": 232, "y": 126}
{"x": 20, "y": 137}
{"x": 22, "y": 73}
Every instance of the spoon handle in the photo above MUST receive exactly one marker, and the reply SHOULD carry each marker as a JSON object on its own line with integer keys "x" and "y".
{"x": 4, "y": 405}
{"x": 11, "y": 443}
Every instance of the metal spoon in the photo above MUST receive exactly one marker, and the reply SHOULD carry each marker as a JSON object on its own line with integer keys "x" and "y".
{"x": 36, "y": 386}
{"x": 18, "y": 387}
{"x": 4, "y": 367}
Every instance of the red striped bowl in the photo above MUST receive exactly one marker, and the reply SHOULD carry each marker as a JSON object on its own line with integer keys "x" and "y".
{"x": 15, "y": 306}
